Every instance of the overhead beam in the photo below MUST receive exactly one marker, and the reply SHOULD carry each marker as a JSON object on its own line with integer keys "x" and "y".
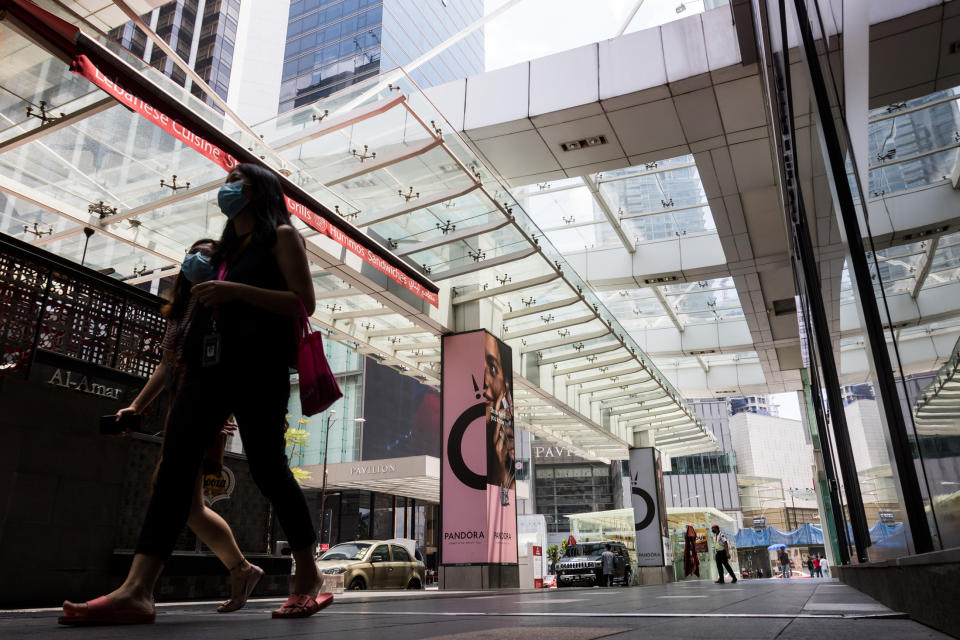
{"x": 480, "y": 294}
{"x": 34, "y": 196}
{"x": 647, "y": 411}
{"x": 925, "y": 267}
{"x": 667, "y": 308}
{"x": 540, "y": 308}
{"x": 551, "y": 326}
{"x": 415, "y": 204}
{"x": 560, "y": 342}
{"x": 633, "y": 399}
{"x": 67, "y": 120}
{"x": 611, "y": 217}
{"x": 617, "y": 384}
{"x": 455, "y": 236}
{"x": 335, "y": 123}
{"x": 593, "y": 365}
{"x": 407, "y": 331}
{"x": 480, "y": 265}
{"x": 583, "y": 353}
{"x": 605, "y": 375}
{"x": 363, "y": 313}
{"x": 387, "y": 160}
{"x": 651, "y": 390}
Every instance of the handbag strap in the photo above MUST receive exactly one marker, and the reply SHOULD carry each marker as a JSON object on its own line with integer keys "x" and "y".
{"x": 305, "y": 327}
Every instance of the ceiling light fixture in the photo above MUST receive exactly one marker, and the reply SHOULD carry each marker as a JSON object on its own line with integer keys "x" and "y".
{"x": 575, "y": 145}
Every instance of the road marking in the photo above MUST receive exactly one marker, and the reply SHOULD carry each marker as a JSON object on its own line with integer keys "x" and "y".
{"x": 839, "y": 606}
{"x": 682, "y": 597}
{"x": 594, "y": 614}
{"x": 548, "y": 600}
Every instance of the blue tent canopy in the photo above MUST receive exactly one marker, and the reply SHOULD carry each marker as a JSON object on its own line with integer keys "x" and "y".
{"x": 807, "y": 534}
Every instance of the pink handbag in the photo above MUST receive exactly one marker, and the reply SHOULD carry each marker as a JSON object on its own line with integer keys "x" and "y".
{"x": 318, "y": 385}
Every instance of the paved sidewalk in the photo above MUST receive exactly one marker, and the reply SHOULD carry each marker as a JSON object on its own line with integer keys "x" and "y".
{"x": 762, "y": 609}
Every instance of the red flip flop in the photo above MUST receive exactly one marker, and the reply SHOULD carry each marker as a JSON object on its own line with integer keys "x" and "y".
{"x": 303, "y": 606}
{"x": 102, "y": 610}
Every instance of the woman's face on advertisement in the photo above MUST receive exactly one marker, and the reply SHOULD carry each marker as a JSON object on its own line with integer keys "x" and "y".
{"x": 493, "y": 380}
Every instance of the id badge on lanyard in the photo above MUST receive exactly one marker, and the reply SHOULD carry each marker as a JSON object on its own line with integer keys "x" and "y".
{"x": 210, "y": 357}
{"x": 211, "y": 342}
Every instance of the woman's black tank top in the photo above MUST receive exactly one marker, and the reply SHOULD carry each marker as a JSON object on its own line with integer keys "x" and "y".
{"x": 248, "y": 334}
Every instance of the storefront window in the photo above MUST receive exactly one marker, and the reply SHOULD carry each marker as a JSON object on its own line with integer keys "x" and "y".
{"x": 355, "y": 522}
{"x": 382, "y": 516}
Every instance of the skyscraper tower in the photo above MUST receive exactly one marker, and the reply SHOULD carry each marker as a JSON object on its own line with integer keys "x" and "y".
{"x": 331, "y": 45}
{"x": 202, "y": 32}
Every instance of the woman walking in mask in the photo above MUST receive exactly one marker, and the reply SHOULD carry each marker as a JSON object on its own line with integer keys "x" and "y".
{"x": 237, "y": 351}
{"x": 206, "y": 523}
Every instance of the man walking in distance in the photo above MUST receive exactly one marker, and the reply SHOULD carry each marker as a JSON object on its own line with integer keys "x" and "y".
{"x": 784, "y": 563}
{"x": 607, "y": 559}
{"x": 722, "y": 548}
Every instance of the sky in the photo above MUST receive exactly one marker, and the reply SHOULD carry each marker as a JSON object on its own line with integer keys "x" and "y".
{"x": 788, "y": 403}
{"x": 535, "y": 28}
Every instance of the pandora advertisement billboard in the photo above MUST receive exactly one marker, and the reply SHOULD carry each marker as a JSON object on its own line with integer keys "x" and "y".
{"x": 478, "y": 483}
{"x": 646, "y": 496}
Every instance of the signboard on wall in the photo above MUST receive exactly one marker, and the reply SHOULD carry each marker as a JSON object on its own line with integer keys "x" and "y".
{"x": 700, "y": 544}
{"x": 759, "y": 523}
{"x": 478, "y": 478}
{"x": 219, "y": 486}
{"x": 646, "y": 497}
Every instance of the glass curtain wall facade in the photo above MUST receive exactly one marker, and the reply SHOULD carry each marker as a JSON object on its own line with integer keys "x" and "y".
{"x": 893, "y": 149}
{"x": 706, "y": 479}
{"x": 203, "y": 33}
{"x": 573, "y": 486}
{"x": 332, "y": 45}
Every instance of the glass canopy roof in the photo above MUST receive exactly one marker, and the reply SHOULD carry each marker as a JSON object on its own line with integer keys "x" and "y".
{"x": 424, "y": 195}
{"x": 631, "y": 208}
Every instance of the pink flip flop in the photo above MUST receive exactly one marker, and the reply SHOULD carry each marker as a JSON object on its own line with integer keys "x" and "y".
{"x": 102, "y": 610}
{"x": 303, "y": 606}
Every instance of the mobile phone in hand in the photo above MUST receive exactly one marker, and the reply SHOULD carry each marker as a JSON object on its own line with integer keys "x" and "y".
{"x": 110, "y": 425}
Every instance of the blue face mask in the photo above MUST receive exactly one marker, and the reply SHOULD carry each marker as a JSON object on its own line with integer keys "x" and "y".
{"x": 196, "y": 268}
{"x": 231, "y": 199}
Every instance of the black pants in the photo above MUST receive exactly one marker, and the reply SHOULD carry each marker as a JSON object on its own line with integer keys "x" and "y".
{"x": 606, "y": 580}
{"x": 721, "y": 558}
{"x": 258, "y": 396}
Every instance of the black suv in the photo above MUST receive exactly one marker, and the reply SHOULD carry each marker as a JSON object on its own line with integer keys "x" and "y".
{"x": 581, "y": 564}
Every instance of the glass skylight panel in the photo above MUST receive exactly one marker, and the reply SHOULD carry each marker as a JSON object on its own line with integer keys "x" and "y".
{"x": 903, "y": 138}
{"x": 28, "y": 79}
{"x": 946, "y": 257}
{"x": 891, "y": 109}
{"x": 655, "y": 191}
{"x": 717, "y": 284}
{"x": 641, "y": 321}
{"x": 912, "y": 173}
{"x": 579, "y": 238}
{"x": 942, "y": 276}
{"x": 914, "y": 132}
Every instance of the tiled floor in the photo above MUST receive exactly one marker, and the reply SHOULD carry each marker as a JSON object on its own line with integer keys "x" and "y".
{"x": 763, "y": 609}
